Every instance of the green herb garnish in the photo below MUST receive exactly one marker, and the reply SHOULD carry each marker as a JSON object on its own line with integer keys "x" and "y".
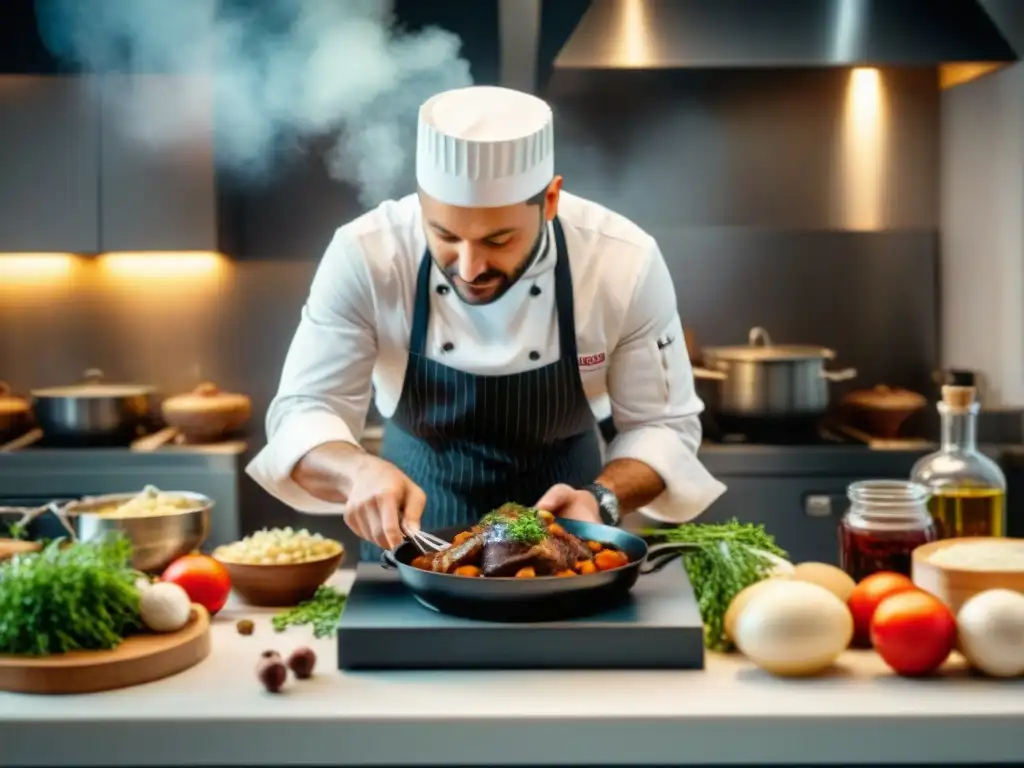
{"x": 518, "y": 523}
{"x": 322, "y": 611}
{"x": 17, "y": 530}
{"x": 727, "y": 563}
{"x": 68, "y": 597}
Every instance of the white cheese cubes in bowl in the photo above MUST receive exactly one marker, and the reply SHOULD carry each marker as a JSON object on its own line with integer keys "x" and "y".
{"x": 280, "y": 566}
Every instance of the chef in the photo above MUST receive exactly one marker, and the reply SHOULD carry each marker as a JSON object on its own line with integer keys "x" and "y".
{"x": 490, "y": 314}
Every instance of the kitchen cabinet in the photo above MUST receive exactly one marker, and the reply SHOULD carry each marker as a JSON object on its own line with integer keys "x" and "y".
{"x": 49, "y": 165}
{"x": 156, "y": 169}
{"x": 101, "y": 163}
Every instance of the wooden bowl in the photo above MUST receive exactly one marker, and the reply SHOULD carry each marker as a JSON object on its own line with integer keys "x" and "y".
{"x": 955, "y": 586}
{"x": 280, "y": 586}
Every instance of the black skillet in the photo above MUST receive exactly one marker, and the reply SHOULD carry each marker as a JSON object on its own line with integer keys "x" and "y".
{"x": 548, "y": 598}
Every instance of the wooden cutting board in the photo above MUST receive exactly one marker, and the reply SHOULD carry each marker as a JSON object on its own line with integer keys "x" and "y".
{"x": 11, "y": 547}
{"x": 139, "y": 659}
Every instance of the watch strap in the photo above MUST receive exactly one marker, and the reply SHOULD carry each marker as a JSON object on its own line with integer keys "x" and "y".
{"x": 607, "y": 503}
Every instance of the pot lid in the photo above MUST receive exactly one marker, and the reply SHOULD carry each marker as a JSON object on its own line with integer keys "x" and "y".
{"x": 11, "y": 404}
{"x": 93, "y": 386}
{"x": 761, "y": 349}
{"x": 206, "y": 398}
{"x": 886, "y": 397}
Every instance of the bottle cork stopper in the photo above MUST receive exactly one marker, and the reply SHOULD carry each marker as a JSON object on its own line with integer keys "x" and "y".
{"x": 958, "y": 398}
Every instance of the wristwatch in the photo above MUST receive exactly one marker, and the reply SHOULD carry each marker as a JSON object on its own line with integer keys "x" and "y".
{"x": 607, "y": 503}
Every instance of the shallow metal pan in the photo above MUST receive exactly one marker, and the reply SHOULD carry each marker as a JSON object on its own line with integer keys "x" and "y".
{"x": 546, "y": 598}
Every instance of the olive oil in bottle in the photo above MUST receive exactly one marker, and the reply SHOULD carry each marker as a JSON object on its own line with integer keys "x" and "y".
{"x": 968, "y": 489}
{"x": 968, "y": 512}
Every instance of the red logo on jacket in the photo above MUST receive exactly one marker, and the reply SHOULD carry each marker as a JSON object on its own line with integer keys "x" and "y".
{"x": 589, "y": 361}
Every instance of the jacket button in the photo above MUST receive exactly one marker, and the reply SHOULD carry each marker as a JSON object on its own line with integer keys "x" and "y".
{"x": 535, "y": 355}
{"x": 441, "y": 290}
{"x": 535, "y": 290}
{"x": 447, "y": 347}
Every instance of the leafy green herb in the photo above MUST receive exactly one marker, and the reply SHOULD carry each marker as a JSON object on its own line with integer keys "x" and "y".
{"x": 519, "y": 524}
{"x": 68, "y": 597}
{"x": 727, "y": 563}
{"x": 17, "y": 530}
{"x": 322, "y": 611}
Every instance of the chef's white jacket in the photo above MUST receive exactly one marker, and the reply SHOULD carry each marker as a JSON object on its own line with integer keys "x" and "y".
{"x": 356, "y": 322}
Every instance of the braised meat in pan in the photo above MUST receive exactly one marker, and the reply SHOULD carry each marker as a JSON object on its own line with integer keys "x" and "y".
{"x": 522, "y": 542}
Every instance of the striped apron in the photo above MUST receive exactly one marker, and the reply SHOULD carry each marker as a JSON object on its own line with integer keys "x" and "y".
{"x": 473, "y": 443}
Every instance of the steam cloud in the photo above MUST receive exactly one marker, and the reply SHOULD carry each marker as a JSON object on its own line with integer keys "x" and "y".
{"x": 285, "y": 72}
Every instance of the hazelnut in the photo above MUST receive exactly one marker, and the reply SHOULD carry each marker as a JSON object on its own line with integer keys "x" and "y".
{"x": 301, "y": 662}
{"x": 272, "y": 674}
{"x": 245, "y": 627}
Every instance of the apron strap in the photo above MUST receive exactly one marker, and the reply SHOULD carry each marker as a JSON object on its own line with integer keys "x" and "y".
{"x": 563, "y": 298}
{"x": 565, "y": 308}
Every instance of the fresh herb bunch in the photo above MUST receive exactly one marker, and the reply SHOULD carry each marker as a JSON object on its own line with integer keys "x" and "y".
{"x": 322, "y": 611}
{"x": 68, "y": 597}
{"x": 727, "y": 563}
{"x": 518, "y": 523}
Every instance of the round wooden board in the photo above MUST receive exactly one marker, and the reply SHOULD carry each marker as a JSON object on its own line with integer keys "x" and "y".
{"x": 139, "y": 659}
{"x": 11, "y": 547}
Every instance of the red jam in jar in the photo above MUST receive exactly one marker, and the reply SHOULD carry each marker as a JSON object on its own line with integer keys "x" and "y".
{"x": 886, "y": 522}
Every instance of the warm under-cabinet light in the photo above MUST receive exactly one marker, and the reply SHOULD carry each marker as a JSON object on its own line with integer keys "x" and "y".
{"x": 24, "y": 269}
{"x": 163, "y": 265}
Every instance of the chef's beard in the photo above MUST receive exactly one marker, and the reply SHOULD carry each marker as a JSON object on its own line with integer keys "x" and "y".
{"x": 506, "y": 281}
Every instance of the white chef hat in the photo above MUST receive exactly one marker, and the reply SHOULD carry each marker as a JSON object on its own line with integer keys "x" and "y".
{"x": 484, "y": 147}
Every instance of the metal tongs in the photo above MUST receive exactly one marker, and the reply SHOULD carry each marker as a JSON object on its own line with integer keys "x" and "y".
{"x": 426, "y": 543}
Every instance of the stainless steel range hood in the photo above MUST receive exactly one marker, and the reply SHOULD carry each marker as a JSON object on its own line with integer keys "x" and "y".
{"x": 683, "y": 34}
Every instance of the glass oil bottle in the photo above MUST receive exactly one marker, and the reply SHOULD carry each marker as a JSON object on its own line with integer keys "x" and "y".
{"x": 968, "y": 489}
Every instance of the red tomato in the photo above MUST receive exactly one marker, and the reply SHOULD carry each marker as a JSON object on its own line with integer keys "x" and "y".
{"x": 866, "y": 597}
{"x": 204, "y": 579}
{"x": 913, "y": 632}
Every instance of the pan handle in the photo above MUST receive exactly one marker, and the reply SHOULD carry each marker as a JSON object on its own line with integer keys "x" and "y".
{"x": 661, "y": 555}
{"x": 708, "y": 375}
{"x": 842, "y": 375}
{"x": 387, "y": 560}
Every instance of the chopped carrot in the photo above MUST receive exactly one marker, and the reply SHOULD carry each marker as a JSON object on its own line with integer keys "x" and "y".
{"x": 595, "y": 546}
{"x": 467, "y": 570}
{"x": 566, "y": 573}
{"x": 609, "y": 559}
{"x": 586, "y": 566}
{"x": 526, "y": 573}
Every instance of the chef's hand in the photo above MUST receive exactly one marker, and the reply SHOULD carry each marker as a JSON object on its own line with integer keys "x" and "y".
{"x": 566, "y": 501}
{"x": 381, "y": 500}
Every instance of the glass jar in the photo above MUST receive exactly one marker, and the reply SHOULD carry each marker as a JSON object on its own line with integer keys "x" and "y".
{"x": 968, "y": 489}
{"x": 887, "y": 520}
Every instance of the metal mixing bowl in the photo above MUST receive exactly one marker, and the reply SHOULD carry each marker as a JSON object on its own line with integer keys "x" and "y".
{"x": 157, "y": 540}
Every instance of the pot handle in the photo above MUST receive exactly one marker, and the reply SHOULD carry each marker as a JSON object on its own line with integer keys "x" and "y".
{"x": 705, "y": 373}
{"x": 844, "y": 375}
{"x": 758, "y": 337}
{"x": 387, "y": 560}
{"x": 661, "y": 555}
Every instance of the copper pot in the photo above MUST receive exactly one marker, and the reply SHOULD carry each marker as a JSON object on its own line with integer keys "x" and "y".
{"x": 206, "y": 414}
{"x": 882, "y": 410}
{"x": 15, "y": 414}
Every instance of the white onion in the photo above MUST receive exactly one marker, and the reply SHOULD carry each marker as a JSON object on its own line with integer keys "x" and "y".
{"x": 793, "y": 628}
{"x": 991, "y": 629}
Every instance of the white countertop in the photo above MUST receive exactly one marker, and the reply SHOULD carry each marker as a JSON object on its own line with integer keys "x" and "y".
{"x": 218, "y": 714}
